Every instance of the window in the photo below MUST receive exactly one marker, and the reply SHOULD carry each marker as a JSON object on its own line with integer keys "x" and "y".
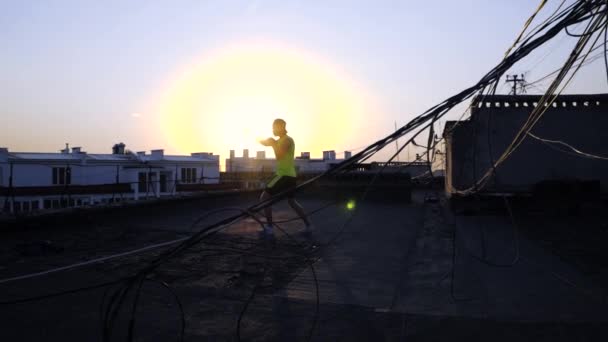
{"x": 47, "y": 204}
{"x": 143, "y": 182}
{"x": 35, "y": 205}
{"x": 189, "y": 175}
{"x": 163, "y": 182}
{"x": 62, "y": 175}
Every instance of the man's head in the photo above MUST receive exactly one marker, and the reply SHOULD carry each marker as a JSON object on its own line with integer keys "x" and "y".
{"x": 279, "y": 127}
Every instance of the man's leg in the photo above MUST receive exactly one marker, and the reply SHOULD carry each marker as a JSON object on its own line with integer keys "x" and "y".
{"x": 299, "y": 210}
{"x": 268, "y": 209}
{"x": 268, "y": 232}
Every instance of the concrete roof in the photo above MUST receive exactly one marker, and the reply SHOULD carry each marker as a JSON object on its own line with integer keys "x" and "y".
{"x": 396, "y": 272}
{"x": 45, "y": 156}
{"x": 110, "y": 157}
{"x": 178, "y": 159}
{"x": 40, "y": 156}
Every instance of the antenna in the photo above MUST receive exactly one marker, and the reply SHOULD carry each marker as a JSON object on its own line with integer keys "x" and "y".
{"x": 521, "y": 81}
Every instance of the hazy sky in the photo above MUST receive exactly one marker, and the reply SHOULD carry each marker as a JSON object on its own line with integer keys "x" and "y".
{"x": 93, "y": 73}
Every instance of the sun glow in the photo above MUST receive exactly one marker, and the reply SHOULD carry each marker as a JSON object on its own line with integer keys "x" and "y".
{"x": 230, "y": 99}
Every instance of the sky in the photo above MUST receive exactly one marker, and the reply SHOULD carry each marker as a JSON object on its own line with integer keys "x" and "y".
{"x": 210, "y": 76}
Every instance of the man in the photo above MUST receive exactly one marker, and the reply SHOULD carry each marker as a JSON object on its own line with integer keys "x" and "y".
{"x": 284, "y": 178}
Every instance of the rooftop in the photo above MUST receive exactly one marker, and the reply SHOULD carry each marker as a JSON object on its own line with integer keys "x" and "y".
{"x": 398, "y": 271}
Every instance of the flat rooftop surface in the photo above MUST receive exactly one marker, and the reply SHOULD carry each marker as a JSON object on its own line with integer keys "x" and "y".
{"x": 389, "y": 271}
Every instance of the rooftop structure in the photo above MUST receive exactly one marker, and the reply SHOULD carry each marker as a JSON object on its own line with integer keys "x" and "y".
{"x": 548, "y": 155}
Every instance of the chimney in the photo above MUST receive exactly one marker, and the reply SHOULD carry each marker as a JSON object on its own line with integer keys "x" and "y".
{"x": 76, "y": 150}
{"x": 347, "y": 154}
{"x": 260, "y": 155}
{"x": 118, "y": 149}
{"x": 141, "y": 153}
{"x": 329, "y": 155}
{"x": 245, "y": 153}
{"x": 158, "y": 154}
{"x": 201, "y": 154}
{"x": 3, "y": 154}
{"x": 66, "y": 149}
{"x": 231, "y": 154}
{"x": 305, "y": 155}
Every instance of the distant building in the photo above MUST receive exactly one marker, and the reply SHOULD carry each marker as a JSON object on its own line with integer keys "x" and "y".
{"x": 246, "y": 164}
{"x": 304, "y": 164}
{"x": 577, "y": 120}
{"x": 31, "y": 181}
{"x": 329, "y": 155}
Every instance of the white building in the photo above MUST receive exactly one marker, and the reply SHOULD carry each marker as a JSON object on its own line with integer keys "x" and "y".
{"x": 31, "y": 181}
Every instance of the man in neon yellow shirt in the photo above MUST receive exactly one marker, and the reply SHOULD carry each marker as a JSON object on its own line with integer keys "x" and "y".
{"x": 284, "y": 178}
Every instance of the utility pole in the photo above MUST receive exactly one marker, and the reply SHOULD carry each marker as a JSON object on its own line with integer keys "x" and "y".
{"x": 516, "y": 80}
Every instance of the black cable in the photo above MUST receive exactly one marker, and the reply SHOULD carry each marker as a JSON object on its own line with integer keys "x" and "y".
{"x": 310, "y": 213}
{"x": 115, "y": 303}
{"x": 177, "y": 300}
{"x": 131, "y": 329}
{"x": 516, "y": 247}
{"x": 494, "y": 174}
{"x": 311, "y": 264}
{"x": 61, "y": 293}
{"x": 550, "y": 95}
{"x": 248, "y": 302}
{"x": 453, "y": 271}
{"x": 181, "y": 309}
{"x": 606, "y": 49}
{"x": 587, "y": 32}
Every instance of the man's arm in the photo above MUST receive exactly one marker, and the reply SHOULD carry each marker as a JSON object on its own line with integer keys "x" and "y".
{"x": 268, "y": 142}
{"x": 279, "y": 150}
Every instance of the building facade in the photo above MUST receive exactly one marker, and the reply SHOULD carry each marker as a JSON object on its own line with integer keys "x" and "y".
{"x": 32, "y": 181}
{"x": 579, "y": 121}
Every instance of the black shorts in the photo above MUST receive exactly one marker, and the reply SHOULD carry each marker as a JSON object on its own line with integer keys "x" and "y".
{"x": 279, "y": 184}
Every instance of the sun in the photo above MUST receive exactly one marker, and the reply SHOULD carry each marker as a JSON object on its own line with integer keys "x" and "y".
{"x": 229, "y": 100}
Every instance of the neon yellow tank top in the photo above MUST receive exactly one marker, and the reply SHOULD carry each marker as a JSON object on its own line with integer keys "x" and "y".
{"x": 286, "y": 165}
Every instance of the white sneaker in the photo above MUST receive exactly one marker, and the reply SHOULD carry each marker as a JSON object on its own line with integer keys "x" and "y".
{"x": 267, "y": 232}
{"x": 307, "y": 232}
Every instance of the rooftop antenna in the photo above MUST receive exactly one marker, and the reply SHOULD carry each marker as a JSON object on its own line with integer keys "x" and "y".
{"x": 517, "y": 80}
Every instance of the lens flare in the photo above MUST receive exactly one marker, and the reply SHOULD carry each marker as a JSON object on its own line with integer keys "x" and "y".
{"x": 229, "y": 100}
{"x": 350, "y": 205}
